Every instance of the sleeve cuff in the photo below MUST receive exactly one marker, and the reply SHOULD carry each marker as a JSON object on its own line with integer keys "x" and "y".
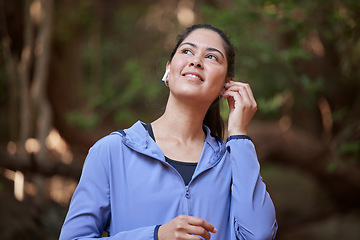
{"x": 156, "y": 230}
{"x": 232, "y": 137}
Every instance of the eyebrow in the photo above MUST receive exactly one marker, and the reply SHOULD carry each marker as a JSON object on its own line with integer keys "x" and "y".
{"x": 208, "y": 49}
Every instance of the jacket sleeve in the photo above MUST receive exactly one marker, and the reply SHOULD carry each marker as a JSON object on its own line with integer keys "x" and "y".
{"x": 89, "y": 211}
{"x": 252, "y": 209}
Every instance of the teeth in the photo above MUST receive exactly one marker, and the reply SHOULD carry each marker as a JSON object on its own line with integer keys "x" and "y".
{"x": 192, "y": 75}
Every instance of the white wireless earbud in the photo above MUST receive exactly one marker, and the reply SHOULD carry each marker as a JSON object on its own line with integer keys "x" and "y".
{"x": 165, "y": 75}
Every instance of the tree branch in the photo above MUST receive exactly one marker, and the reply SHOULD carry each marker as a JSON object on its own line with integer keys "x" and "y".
{"x": 47, "y": 168}
{"x": 297, "y": 148}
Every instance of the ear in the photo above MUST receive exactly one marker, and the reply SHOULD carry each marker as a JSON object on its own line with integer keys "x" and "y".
{"x": 167, "y": 70}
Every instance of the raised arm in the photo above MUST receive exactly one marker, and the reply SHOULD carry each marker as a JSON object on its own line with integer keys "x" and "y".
{"x": 252, "y": 209}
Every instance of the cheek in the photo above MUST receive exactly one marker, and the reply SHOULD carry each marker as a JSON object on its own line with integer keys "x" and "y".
{"x": 219, "y": 83}
{"x": 218, "y": 78}
{"x": 216, "y": 88}
{"x": 177, "y": 62}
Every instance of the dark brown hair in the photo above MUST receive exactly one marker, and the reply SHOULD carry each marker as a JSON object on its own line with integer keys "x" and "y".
{"x": 213, "y": 118}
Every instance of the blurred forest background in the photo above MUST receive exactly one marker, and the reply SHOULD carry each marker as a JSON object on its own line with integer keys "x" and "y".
{"x": 72, "y": 71}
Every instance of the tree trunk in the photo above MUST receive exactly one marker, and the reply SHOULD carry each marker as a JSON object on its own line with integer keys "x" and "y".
{"x": 24, "y": 78}
{"x": 38, "y": 88}
{"x": 11, "y": 63}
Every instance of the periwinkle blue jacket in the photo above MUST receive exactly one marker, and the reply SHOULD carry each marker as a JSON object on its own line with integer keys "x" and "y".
{"x": 127, "y": 188}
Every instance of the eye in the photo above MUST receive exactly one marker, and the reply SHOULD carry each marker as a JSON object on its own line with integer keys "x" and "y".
{"x": 186, "y": 51}
{"x": 212, "y": 56}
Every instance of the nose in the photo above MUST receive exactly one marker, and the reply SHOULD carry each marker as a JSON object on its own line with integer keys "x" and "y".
{"x": 195, "y": 62}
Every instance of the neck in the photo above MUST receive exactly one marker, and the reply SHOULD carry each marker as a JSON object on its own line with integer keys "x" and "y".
{"x": 182, "y": 120}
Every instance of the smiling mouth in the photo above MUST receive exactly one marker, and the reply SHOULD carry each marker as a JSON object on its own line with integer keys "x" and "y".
{"x": 193, "y": 76}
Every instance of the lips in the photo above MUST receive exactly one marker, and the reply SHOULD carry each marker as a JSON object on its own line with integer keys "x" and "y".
{"x": 193, "y": 75}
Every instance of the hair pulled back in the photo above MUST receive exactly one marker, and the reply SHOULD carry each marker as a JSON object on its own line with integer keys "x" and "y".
{"x": 213, "y": 118}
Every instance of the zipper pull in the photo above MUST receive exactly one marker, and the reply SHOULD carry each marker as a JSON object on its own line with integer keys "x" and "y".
{"x": 187, "y": 193}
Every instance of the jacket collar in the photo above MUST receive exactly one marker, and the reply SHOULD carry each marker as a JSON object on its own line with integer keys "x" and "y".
{"x": 138, "y": 138}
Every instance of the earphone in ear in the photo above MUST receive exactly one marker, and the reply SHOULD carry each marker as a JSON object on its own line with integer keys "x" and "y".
{"x": 165, "y": 75}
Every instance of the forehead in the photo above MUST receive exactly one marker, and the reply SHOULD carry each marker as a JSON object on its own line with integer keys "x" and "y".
{"x": 206, "y": 38}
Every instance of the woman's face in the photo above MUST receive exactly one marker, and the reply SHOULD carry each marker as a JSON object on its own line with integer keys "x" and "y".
{"x": 199, "y": 67}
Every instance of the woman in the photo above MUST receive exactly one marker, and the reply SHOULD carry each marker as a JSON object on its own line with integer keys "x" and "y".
{"x": 175, "y": 178}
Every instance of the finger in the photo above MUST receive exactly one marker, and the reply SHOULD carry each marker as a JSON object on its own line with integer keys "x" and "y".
{"x": 235, "y": 101}
{"x": 232, "y": 83}
{"x": 240, "y": 87}
{"x": 199, "y": 231}
{"x": 250, "y": 93}
{"x": 245, "y": 93}
{"x": 234, "y": 96}
{"x": 195, "y": 221}
{"x": 247, "y": 98}
{"x": 250, "y": 96}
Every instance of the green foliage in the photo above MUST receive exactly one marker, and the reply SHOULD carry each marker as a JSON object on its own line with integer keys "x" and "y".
{"x": 340, "y": 114}
{"x": 224, "y": 109}
{"x": 84, "y": 120}
{"x": 267, "y": 67}
{"x": 271, "y": 106}
{"x": 350, "y": 148}
{"x": 308, "y": 48}
{"x": 74, "y": 20}
{"x": 347, "y": 155}
{"x": 276, "y": 39}
{"x": 312, "y": 87}
{"x": 275, "y": 51}
{"x": 118, "y": 82}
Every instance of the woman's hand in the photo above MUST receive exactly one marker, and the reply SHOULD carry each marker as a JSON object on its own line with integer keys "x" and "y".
{"x": 186, "y": 227}
{"x": 242, "y": 107}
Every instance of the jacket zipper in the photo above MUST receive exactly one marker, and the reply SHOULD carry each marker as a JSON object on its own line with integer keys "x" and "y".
{"x": 187, "y": 192}
{"x": 187, "y": 201}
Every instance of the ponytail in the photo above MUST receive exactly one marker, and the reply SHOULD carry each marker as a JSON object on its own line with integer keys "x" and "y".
{"x": 214, "y": 120}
